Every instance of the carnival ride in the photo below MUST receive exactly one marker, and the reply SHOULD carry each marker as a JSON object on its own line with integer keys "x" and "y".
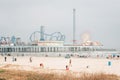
{"x": 10, "y": 40}
{"x": 42, "y": 36}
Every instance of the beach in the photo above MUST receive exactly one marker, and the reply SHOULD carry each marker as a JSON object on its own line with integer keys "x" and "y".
{"x": 58, "y": 64}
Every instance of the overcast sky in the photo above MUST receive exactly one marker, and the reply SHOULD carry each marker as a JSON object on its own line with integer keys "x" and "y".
{"x": 99, "y": 18}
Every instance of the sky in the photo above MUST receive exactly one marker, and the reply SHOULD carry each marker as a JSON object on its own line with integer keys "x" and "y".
{"x": 99, "y": 18}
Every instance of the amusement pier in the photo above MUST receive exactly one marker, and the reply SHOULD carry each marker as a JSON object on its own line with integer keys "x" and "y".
{"x": 53, "y": 44}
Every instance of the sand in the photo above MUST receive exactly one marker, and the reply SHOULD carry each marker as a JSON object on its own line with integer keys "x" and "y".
{"x": 58, "y": 64}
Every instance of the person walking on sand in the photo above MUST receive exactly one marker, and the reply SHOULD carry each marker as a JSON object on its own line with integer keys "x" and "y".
{"x": 5, "y": 58}
{"x": 67, "y": 68}
{"x": 70, "y": 62}
{"x": 30, "y": 59}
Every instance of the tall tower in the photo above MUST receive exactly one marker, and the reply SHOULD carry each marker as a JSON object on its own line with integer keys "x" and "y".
{"x": 74, "y": 12}
{"x": 42, "y": 33}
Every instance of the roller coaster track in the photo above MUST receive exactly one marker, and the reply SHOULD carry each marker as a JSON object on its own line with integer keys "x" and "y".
{"x": 54, "y": 36}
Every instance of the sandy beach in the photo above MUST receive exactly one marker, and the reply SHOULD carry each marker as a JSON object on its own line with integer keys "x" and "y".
{"x": 58, "y": 64}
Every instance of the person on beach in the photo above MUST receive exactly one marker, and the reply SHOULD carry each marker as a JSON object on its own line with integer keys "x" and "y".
{"x": 70, "y": 61}
{"x": 30, "y": 59}
{"x": 5, "y": 58}
{"x": 41, "y": 65}
{"x": 67, "y": 68}
{"x": 15, "y": 59}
